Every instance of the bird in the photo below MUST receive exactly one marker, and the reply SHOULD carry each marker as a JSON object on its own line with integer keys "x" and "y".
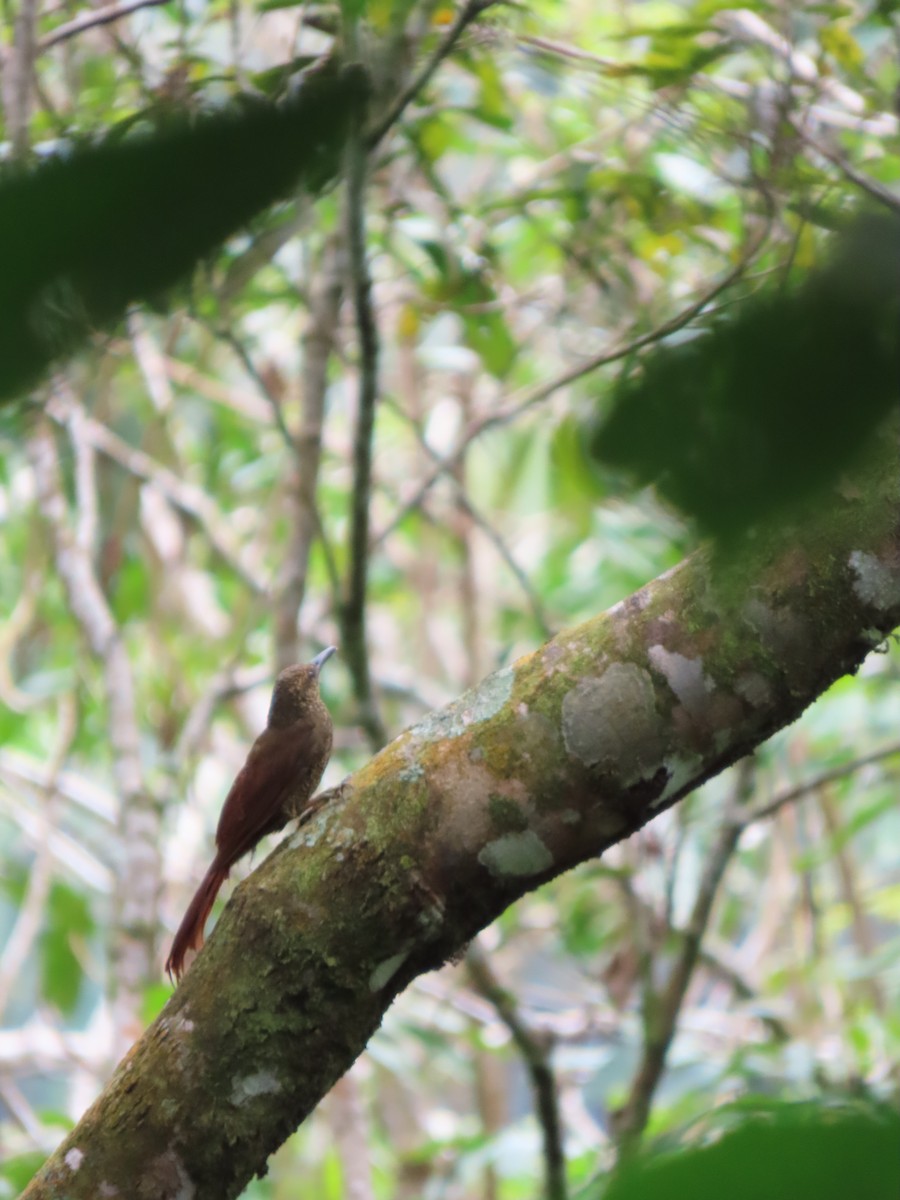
{"x": 274, "y": 786}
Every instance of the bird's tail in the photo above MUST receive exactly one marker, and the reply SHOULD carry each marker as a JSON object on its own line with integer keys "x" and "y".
{"x": 190, "y": 931}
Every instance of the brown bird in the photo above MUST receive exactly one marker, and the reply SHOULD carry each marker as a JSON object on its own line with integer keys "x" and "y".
{"x": 273, "y": 786}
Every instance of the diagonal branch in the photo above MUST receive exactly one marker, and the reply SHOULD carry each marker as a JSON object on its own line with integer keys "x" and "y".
{"x": 90, "y": 20}
{"x": 469, "y": 12}
{"x": 191, "y": 500}
{"x": 543, "y": 766}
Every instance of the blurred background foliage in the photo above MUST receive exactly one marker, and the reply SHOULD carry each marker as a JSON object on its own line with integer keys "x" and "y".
{"x": 576, "y": 184}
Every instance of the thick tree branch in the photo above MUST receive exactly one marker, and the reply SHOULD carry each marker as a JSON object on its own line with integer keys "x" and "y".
{"x": 543, "y": 766}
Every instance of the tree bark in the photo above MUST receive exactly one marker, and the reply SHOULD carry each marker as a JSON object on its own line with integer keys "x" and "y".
{"x": 542, "y": 766}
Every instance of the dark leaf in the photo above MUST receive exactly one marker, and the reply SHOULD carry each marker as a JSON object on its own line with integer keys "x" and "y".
{"x": 90, "y": 232}
{"x": 768, "y": 409}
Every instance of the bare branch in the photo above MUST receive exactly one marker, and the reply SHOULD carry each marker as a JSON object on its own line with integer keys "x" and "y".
{"x": 534, "y": 396}
{"x": 661, "y": 1009}
{"x": 469, "y": 12}
{"x": 820, "y": 781}
{"x": 139, "y": 828}
{"x": 535, "y": 1052}
{"x": 89, "y": 20}
{"x": 189, "y": 499}
{"x": 319, "y": 340}
{"x": 353, "y": 611}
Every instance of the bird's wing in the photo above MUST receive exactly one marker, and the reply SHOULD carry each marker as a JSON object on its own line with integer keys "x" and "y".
{"x": 255, "y": 804}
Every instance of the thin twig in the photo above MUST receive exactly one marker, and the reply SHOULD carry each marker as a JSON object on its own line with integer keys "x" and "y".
{"x": 18, "y": 68}
{"x": 274, "y": 402}
{"x": 89, "y": 20}
{"x": 191, "y": 500}
{"x": 353, "y": 611}
{"x": 534, "y": 396}
{"x": 466, "y": 15}
{"x": 872, "y": 187}
{"x": 535, "y": 1052}
{"x": 319, "y": 340}
{"x": 492, "y": 534}
{"x": 661, "y": 1008}
{"x": 139, "y": 824}
{"x": 820, "y": 781}
{"x": 716, "y": 966}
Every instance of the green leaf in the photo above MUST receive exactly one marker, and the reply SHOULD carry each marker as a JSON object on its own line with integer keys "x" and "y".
{"x": 16, "y": 1173}
{"x": 156, "y": 997}
{"x": 795, "y": 1153}
{"x": 488, "y": 335}
{"x": 68, "y": 918}
{"x": 134, "y": 586}
{"x": 576, "y": 482}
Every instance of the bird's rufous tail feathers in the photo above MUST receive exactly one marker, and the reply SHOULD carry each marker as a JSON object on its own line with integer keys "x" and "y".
{"x": 190, "y": 931}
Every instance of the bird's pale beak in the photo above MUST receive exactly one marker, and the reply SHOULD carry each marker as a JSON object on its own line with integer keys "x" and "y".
{"x": 323, "y": 657}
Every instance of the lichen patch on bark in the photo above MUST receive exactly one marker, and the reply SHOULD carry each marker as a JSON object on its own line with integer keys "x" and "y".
{"x": 612, "y": 723}
{"x": 516, "y": 855}
{"x": 74, "y": 1158}
{"x": 877, "y": 582}
{"x": 685, "y": 676}
{"x": 385, "y": 971}
{"x": 261, "y": 1083}
{"x": 477, "y": 705}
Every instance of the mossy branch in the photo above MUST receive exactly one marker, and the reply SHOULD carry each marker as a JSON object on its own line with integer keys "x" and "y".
{"x": 543, "y": 766}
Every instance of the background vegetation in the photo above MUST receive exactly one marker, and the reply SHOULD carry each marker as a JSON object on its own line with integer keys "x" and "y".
{"x": 205, "y": 493}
